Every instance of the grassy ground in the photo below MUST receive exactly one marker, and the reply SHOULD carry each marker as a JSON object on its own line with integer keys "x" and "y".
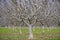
{"x": 10, "y": 34}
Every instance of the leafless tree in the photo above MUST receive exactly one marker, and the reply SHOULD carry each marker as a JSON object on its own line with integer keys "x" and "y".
{"x": 29, "y": 12}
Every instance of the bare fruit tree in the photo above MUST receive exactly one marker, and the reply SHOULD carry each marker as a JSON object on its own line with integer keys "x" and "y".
{"x": 29, "y": 12}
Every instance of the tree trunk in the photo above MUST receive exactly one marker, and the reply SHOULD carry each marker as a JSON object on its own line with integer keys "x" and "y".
{"x": 43, "y": 28}
{"x": 48, "y": 28}
{"x": 30, "y": 32}
{"x": 20, "y": 30}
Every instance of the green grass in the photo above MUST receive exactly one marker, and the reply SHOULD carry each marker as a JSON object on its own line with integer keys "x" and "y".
{"x": 10, "y": 34}
{"x": 54, "y": 39}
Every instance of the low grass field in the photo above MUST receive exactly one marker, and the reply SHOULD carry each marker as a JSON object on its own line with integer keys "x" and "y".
{"x": 10, "y": 34}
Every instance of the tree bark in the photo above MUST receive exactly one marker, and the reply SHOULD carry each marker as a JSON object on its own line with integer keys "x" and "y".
{"x": 30, "y": 32}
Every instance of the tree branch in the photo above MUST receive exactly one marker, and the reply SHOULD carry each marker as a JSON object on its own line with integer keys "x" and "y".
{"x": 26, "y": 23}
